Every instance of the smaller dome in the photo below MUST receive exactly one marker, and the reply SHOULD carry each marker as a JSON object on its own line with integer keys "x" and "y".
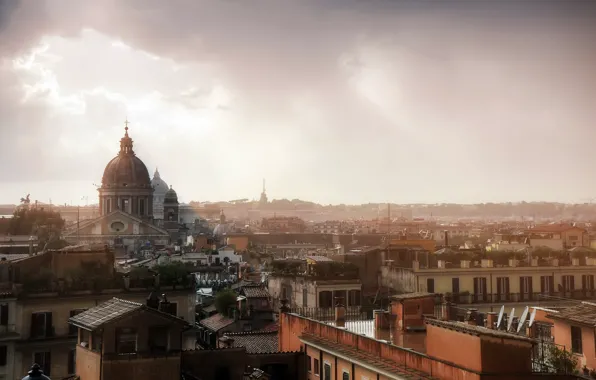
{"x": 159, "y": 185}
{"x": 171, "y": 196}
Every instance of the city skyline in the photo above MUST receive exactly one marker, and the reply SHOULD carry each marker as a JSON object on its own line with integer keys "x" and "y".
{"x": 352, "y": 103}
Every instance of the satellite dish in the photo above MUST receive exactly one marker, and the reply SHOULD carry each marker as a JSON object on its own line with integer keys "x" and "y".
{"x": 532, "y": 316}
{"x": 500, "y": 319}
{"x": 522, "y": 319}
{"x": 510, "y": 321}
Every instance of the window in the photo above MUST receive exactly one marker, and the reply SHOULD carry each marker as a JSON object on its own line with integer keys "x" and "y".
{"x": 72, "y": 359}
{"x": 72, "y": 329}
{"x": 525, "y": 287}
{"x": 480, "y": 288}
{"x": 41, "y": 325}
{"x": 502, "y": 288}
{"x": 126, "y": 341}
{"x": 309, "y": 363}
{"x": 455, "y": 289}
{"x": 588, "y": 282}
{"x": 316, "y": 365}
{"x": 547, "y": 284}
{"x": 141, "y": 207}
{"x": 325, "y": 299}
{"x": 125, "y": 205}
{"x": 353, "y": 298}
{"x": 568, "y": 283}
{"x": 3, "y": 355}
{"x": 44, "y": 359}
{"x": 158, "y": 338}
{"x": 304, "y": 297}
{"x": 576, "y": 340}
{"x": 4, "y": 314}
{"x": 327, "y": 371}
{"x": 430, "y": 285}
{"x": 345, "y": 375}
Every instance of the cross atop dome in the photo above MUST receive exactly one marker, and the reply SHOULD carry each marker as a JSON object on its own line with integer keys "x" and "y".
{"x": 126, "y": 141}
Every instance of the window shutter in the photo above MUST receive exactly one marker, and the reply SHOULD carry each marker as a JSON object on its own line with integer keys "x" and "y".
{"x": 4, "y": 314}
{"x": 49, "y": 325}
{"x": 572, "y": 283}
{"x": 34, "y": 328}
{"x": 3, "y": 355}
{"x": 522, "y": 291}
{"x": 584, "y": 281}
{"x": 530, "y": 290}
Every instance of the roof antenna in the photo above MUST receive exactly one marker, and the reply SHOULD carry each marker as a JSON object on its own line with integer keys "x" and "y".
{"x": 500, "y": 319}
{"x": 522, "y": 319}
{"x": 532, "y": 316}
{"x": 510, "y": 319}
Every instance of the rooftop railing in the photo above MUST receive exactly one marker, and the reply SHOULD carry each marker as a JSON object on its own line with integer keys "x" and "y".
{"x": 535, "y": 297}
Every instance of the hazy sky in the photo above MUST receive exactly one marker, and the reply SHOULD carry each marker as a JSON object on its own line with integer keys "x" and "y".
{"x": 335, "y": 101}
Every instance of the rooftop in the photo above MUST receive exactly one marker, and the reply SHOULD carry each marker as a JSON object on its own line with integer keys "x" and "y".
{"x": 584, "y": 314}
{"x": 104, "y": 313}
{"x": 410, "y": 296}
{"x": 256, "y": 342}
{"x": 475, "y": 330}
{"x": 255, "y": 291}
{"x": 216, "y": 322}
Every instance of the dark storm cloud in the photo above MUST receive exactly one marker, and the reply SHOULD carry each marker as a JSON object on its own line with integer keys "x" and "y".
{"x": 457, "y": 76}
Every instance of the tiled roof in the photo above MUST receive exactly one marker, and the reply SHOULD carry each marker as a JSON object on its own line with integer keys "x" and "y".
{"x": 112, "y": 310}
{"x": 409, "y": 296}
{"x": 270, "y": 327}
{"x": 380, "y": 364}
{"x": 553, "y": 228}
{"x": 255, "y": 292}
{"x": 584, "y": 314}
{"x": 104, "y": 313}
{"x": 216, "y": 322}
{"x": 475, "y": 330}
{"x": 256, "y": 342}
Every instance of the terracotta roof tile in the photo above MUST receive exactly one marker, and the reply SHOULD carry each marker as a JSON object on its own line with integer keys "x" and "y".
{"x": 216, "y": 322}
{"x": 258, "y": 291}
{"x": 584, "y": 314}
{"x": 104, "y": 313}
{"x": 256, "y": 342}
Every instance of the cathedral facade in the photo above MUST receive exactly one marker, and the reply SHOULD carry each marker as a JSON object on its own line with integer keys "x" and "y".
{"x": 126, "y": 206}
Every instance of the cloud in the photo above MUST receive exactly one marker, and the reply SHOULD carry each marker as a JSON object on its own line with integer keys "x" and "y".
{"x": 323, "y": 98}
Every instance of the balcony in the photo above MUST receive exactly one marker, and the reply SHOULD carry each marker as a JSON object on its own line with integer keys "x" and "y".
{"x": 469, "y": 298}
{"x": 8, "y": 331}
{"x": 143, "y": 355}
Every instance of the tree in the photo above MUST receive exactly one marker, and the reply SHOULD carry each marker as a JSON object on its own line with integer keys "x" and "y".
{"x": 562, "y": 360}
{"x": 47, "y": 225}
{"x": 225, "y": 300}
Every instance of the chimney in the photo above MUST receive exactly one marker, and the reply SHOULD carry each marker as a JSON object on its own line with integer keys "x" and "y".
{"x": 340, "y": 313}
{"x": 126, "y": 279}
{"x": 491, "y": 320}
{"x": 153, "y": 301}
{"x": 164, "y": 305}
{"x": 465, "y": 264}
{"x": 381, "y": 320}
{"x": 446, "y": 238}
{"x": 226, "y": 342}
{"x": 471, "y": 316}
{"x": 446, "y": 311}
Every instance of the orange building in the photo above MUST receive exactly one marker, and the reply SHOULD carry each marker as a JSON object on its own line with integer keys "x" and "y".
{"x": 406, "y": 342}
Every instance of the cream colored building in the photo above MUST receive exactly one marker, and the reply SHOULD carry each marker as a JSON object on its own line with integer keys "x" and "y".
{"x": 483, "y": 282}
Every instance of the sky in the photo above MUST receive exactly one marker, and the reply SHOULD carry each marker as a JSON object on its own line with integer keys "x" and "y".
{"x": 335, "y": 101}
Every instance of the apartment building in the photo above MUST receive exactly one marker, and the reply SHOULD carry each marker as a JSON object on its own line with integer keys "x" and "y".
{"x": 38, "y": 304}
{"x": 316, "y": 284}
{"x": 558, "y": 236}
{"x": 574, "y": 328}
{"x": 484, "y": 282}
{"x": 406, "y": 342}
{"x": 120, "y": 339}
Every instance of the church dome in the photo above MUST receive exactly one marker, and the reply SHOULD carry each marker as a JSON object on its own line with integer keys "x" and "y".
{"x": 171, "y": 196}
{"x": 159, "y": 185}
{"x": 126, "y": 169}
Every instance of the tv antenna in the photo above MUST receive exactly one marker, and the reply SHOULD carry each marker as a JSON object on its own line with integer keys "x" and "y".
{"x": 522, "y": 319}
{"x": 510, "y": 319}
{"x": 532, "y": 316}
{"x": 500, "y": 319}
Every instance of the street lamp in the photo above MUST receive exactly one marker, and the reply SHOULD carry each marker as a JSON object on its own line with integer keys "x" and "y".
{"x": 36, "y": 373}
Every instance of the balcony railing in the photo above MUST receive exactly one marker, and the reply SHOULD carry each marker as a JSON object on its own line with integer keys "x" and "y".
{"x": 142, "y": 355}
{"x": 7, "y": 329}
{"x": 469, "y": 298}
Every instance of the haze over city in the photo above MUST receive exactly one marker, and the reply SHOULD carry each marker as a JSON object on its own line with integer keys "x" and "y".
{"x": 331, "y": 102}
